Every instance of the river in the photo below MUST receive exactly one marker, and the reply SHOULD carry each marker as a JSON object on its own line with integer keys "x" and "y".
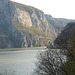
{"x": 20, "y": 62}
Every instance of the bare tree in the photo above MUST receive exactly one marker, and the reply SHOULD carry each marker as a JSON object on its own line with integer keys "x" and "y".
{"x": 50, "y": 62}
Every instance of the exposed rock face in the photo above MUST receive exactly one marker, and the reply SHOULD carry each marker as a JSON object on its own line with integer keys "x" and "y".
{"x": 23, "y": 17}
{"x": 24, "y": 26}
{"x": 58, "y": 23}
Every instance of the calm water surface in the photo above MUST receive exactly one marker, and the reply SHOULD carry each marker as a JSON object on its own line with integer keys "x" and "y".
{"x": 21, "y": 61}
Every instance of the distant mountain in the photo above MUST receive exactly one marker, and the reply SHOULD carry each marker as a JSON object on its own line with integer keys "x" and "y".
{"x": 25, "y": 26}
{"x": 63, "y": 39}
{"x": 58, "y": 23}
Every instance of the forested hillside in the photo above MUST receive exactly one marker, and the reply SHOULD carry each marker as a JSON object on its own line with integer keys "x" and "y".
{"x": 64, "y": 38}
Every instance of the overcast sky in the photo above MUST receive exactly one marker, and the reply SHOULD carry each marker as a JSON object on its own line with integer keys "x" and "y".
{"x": 56, "y": 8}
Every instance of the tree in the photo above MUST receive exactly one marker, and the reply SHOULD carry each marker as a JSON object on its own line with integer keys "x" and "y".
{"x": 50, "y": 62}
{"x": 67, "y": 40}
{"x": 70, "y": 64}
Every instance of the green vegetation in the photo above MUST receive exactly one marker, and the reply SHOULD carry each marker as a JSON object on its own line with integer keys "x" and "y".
{"x": 40, "y": 37}
{"x": 30, "y": 30}
{"x": 16, "y": 32}
{"x": 70, "y": 64}
{"x": 38, "y": 30}
{"x": 67, "y": 40}
{"x": 52, "y": 63}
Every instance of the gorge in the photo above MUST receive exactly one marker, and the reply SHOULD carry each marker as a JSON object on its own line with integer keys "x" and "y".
{"x": 26, "y": 26}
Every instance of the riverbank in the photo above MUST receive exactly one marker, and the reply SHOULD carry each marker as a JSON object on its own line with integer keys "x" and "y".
{"x": 29, "y": 48}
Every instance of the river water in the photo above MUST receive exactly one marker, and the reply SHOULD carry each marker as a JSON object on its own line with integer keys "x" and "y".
{"x": 21, "y": 62}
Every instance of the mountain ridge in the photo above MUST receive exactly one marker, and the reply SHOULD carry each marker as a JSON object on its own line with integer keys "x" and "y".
{"x": 24, "y": 26}
{"x": 66, "y": 35}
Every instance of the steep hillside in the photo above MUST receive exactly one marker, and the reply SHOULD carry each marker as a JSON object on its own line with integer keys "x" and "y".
{"x": 58, "y": 23}
{"x": 63, "y": 39}
{"x": 25, "y": 26}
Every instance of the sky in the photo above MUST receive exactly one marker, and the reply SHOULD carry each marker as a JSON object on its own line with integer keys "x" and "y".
{"x": 55, "y": 8}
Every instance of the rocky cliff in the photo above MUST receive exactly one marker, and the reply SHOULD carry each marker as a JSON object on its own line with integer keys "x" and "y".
{"x": 58, "y": 23}
{"x": 24, "y": 26}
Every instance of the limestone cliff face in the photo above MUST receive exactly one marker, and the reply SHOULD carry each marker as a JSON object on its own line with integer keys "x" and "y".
{"x": 23, "y": 26}
{"x": 23, "y": 17}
